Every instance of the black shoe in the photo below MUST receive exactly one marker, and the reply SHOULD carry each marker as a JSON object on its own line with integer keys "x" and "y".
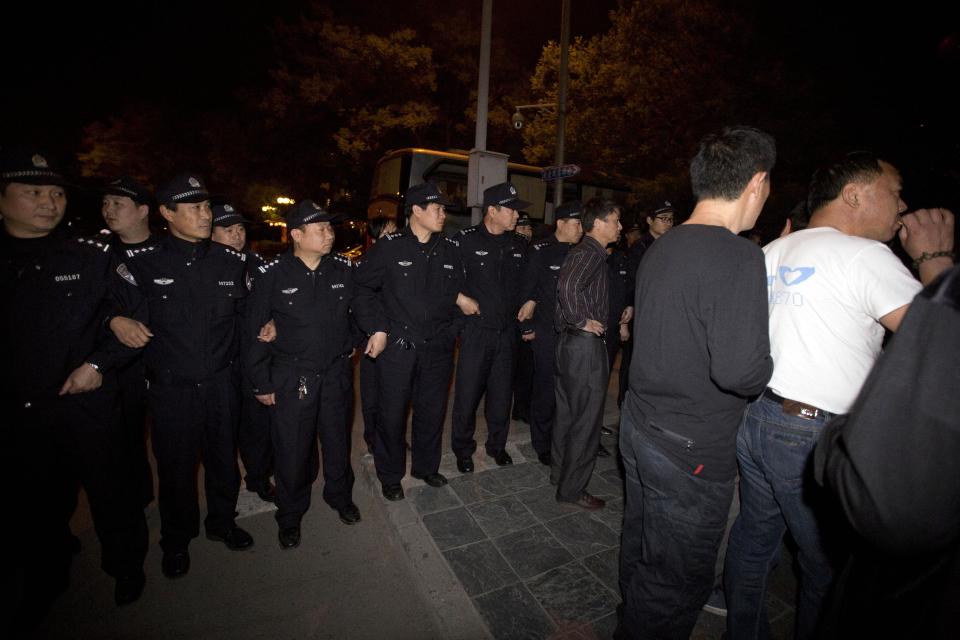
{"x": 392, "y": 492}
{"x": 602, "y": 452}
{"x": 236, "y": 539}
{"x": 129, "y": 588}
{"x": 502, "y": 458}
{"x": 432, "y": 479}
{"x": 349, "y": 514}
{"x": 267, "y": 493}
{"x": 606, "y": 431}
{"x": 175, "y": 564}
{"x": 289, "y": 537}
{"x": 465, "y": 465}
{"x": 544, "y": 458}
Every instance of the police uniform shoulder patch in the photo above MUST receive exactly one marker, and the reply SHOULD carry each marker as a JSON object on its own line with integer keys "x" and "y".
{"x": 124, "y": 273}
{"x": 133, "y": 253}
{"x": 268, "y": 265}
{"x": 542, "y": 244}
{"x": 391, "y": 236}
{"x": 96, "y": 244}
{"x": 452, "y": 241}
{"x": 235, "y": 254}
{"x": 339, "y": 257}
{"x": 468, "y": 231}
{"x": 521, "y": 236}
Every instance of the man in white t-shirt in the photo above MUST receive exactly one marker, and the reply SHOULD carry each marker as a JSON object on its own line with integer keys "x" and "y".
{"x": 833, "y": 289}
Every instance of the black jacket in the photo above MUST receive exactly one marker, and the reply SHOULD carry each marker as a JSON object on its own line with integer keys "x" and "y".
{"x": 408, "y": 289}
{"x": 539, "y": 282}
{"x": 493, "y": 269}
{"x": 190, "y": 295}
{"x": 56, "y": 298}
{"x": 311, "y": 309}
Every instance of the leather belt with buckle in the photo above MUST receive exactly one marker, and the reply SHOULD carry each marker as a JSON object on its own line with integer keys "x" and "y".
{"x": 795, "y": 408}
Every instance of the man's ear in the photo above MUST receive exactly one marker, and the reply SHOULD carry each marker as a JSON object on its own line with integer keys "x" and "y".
{"x": 851, "y": 194}
{"x": 755, "y": 186}
{"x": 166, "y": 212}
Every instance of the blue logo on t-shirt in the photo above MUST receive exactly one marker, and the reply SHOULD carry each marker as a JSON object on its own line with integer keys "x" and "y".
{"x": 791, "y": 277}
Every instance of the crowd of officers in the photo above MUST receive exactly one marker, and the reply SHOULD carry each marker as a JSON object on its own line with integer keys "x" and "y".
{"x": 228, "y": 352}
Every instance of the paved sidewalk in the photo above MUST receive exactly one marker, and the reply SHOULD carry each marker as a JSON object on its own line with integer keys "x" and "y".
{"x": 491, "y": 555}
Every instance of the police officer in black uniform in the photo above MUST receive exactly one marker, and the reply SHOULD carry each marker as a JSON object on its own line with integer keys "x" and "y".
{"x": 305, "y": 376}
{"x": 58, "y": 397}
{"x": 620, "y": 296}
{"x": 188, "y": 292}
{"x": 410, "y": 288}
{"x": 126, "y": 212}
{"x": 523, "y": 371}
{"x": 539, "y": 290}
{"x": 493, "y": 257}
{"x": 253, "y": 434}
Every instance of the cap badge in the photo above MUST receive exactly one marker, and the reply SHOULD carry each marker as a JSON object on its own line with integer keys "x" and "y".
{"x": 193, "y": 182}
{"x": 39, "y": 161}
{"x": 228, "y": 208}
{"x": 513, "y": 191}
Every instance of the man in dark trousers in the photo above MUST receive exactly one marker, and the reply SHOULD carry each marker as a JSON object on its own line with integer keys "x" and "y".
{"x": 700, "y": 350}
{"x": 410, "y": 288}
{"x": 493, "y": 258}
{"x": 582, "y": 369}
{"x": 188, "y": 292}
{"x": 126, "y": 211}
{"x": 537, "y": 319}
{"x": 58, "y": 398}
{"x": 305, "y": 376}
{"x": 253, "y": 433}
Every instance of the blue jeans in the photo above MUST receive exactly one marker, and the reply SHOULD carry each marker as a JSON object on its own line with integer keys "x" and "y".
{"x": 672, "y": 527}
{"x": 777, "y": 493}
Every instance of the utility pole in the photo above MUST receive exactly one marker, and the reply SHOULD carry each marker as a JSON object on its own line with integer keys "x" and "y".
{"x": 562, "y": 98}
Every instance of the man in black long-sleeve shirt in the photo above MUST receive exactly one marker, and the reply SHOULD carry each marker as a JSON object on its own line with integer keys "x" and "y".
{"x": 305, "y": 375}
{"x": 700, "y": 350}
{"x": 581, "y": 380}
{"x": 493, "y": 257}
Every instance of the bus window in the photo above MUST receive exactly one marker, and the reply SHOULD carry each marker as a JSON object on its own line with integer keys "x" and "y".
{"x": 386, "y": 180}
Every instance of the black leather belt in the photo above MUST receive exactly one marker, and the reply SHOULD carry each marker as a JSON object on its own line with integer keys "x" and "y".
{"x": 580, "y": 332}
{"x": 795, "y": 408}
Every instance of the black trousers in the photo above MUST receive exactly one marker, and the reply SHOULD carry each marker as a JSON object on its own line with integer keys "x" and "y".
{"x": 133, "y": 426}
{"x": 543, "y": 399}
{"x": 417, "y": 375}
{"x": 369, "y": 403}
{"x": 485, "y": 368}
{"x": 296, "y": 421}
{"x": 53, "y": 448}
{"x": 194, "y": 424}
{"x": 581, "y": 385}
{"x": 253, "y": 439}
{"x": 523, "y": 380}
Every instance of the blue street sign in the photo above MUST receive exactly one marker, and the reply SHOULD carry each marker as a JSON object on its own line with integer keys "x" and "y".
{"x": 563, "y": 171}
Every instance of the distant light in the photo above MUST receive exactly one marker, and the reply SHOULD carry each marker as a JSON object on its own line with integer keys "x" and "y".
{"x": 267, "y": 208}
{"x": 285, "y": 200}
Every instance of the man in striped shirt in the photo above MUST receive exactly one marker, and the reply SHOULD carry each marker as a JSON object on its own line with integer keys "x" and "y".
{"x": 582, "y": 368}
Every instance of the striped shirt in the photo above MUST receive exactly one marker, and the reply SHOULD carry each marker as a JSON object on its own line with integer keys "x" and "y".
{"x": 583, "y": 285}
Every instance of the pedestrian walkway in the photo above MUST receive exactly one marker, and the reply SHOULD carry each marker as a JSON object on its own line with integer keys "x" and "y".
{"x": 491, "y": 555}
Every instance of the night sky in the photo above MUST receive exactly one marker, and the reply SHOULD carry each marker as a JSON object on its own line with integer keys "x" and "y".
{"x": 892, "y": 76}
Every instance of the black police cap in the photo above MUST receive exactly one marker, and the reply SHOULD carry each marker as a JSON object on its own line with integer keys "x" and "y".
{"x": 503, "y": 195}
{"x": 185, "y": 187}
{"x": 127, "y": 187}
{"x": 571, "y": 209}
{"x": 224, "y": 215}
{"x": 426, "y": 193}
{"x": 28, "y": 166}
{"x": 306, "y": 212}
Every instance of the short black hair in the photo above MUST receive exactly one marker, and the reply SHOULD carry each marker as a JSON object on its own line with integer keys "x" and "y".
{"x": 375, "y": 226}
{"x": 596, "y": 208}
{"x": 727, "y": 160}
{"x": 830, "y": 179}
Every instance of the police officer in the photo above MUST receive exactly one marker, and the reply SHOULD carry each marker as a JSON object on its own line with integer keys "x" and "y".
{"x": 493, "y": 259}
{"x": 537, "y": 319}
{"x": 126, "y": 212}
{"x": 620, "y": 294}
{"x": 253, "y": 434}
{"x": 187, "y": 291}
{"x": 57, "y": 397}
{"x": 410, "y": 288}
{"x": 305, "y": 376}
{"x": 523, "y": 371}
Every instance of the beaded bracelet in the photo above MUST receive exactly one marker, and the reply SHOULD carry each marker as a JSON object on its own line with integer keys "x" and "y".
{"x": 930, "y": 256}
